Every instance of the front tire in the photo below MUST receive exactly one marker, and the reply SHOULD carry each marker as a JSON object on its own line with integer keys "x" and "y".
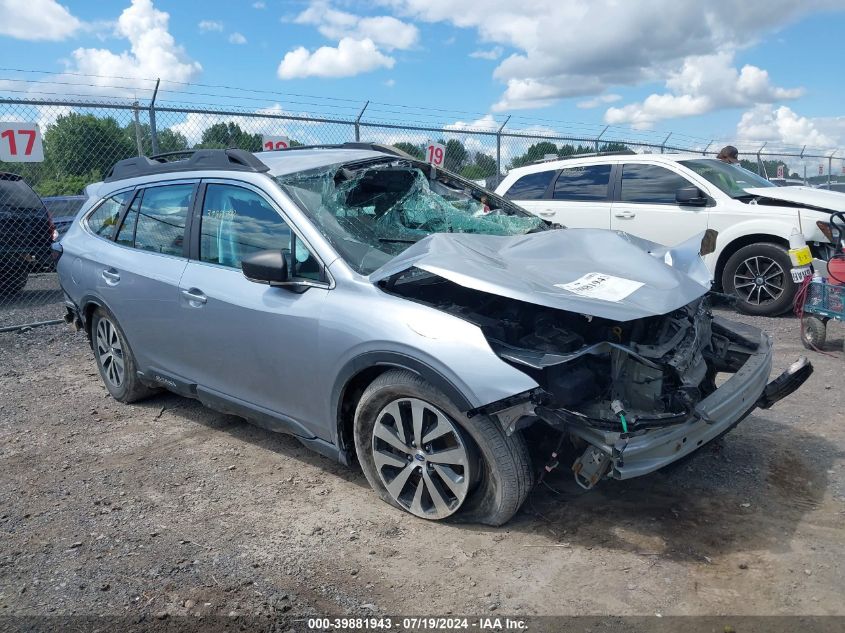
{"x": 115, "y": 359}
{"x": 421, "y": 454}
{"x": 759, "y": 276}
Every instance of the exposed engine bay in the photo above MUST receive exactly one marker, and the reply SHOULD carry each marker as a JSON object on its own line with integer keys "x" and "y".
{"x": 658, "y": 368}
{"x": 617, "y": 379}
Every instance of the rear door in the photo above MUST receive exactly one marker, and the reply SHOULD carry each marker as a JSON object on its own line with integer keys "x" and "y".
{"x": 139, "y": 277}
{"x": 645, "y": 205}
{"x": 579, "y": 197}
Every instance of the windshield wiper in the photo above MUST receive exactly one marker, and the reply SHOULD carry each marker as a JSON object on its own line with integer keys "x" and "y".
{"x": 397, "y": 240}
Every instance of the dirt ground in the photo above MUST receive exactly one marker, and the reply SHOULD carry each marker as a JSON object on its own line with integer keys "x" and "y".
{"x": 168, "y": 508}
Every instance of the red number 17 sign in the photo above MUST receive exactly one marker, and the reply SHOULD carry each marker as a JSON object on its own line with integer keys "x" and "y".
{"x": 20, "y": 143}
{"x": 435, "y": 153}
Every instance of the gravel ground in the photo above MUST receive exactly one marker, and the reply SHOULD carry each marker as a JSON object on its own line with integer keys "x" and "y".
{"x": 166, "y": 508}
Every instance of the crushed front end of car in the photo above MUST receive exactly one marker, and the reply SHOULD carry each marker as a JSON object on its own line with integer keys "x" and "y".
{"x": 632, "y": 366}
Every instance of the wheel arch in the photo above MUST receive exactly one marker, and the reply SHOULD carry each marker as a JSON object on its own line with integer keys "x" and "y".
{"x": 357, "y": 374}
{"x": 741, "y": 242}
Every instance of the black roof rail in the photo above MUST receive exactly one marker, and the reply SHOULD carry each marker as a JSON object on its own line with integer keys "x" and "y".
{"x": 375, "y": 147}
{"x": 621, "y": 152}
{"x": 198, "y": 160}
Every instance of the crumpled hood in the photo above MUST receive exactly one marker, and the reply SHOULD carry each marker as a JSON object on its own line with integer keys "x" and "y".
{"x": 589, "y": 271}
{"x": 809, "y": 197}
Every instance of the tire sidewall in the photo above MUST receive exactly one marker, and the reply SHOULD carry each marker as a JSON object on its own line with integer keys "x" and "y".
{"x": 129, "y": 369}
{"x": 485, "y": 487}
{"x": 771, "y": 251}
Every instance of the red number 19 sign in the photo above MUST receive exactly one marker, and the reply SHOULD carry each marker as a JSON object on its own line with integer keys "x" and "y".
{"x": 269, "y": 143}
{"x": 20, "y": 143}
{"x": 435, "y": 153}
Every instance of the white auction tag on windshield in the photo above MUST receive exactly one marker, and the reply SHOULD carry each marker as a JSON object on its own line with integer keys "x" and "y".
{"x": 602, "y": 286}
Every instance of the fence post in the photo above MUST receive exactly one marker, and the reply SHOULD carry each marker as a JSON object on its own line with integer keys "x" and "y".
{"x": 358, "y": 123}
{"x": 760, "y": 165}
{"x": 663, "y": 144}
{"x": 598, "y": 138}
{"x": 153, "y": 130}
{"x": 704, "y": 153}
{"x": 830, "y": 166}
{"x": 137, "y": 130}
{"x": 499, "y": 149}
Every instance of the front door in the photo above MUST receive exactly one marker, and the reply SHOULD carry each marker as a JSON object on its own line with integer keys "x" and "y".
{"x": 646, "y": 206}
{"x": 249, "y": 342}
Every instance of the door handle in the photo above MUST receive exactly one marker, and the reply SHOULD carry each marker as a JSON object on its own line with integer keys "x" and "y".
{"x": 111, "y": 276}
{"x": 195, "y": 297}
{"x": 547, "y": 213}
{"x": 625, "y": 214}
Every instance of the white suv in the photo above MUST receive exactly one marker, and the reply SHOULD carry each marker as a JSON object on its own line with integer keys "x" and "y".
{"x": 668, "y": 198}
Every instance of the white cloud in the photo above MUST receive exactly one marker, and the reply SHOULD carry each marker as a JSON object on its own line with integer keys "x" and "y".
{"x": 237, "y": 38}
{"x": 583, "y": 47}
{"x": 704, "y": 83}
{"x": 492, "y": 53}
{"x": 390, "y": 83}
{"x": 485, "y": 124}
{"x": 598, "y": 101}
{"x": 153, "y": 52}
{"x": 206, "y": 26}
{"x": 259, "y": 5}
{"x": 785, "y": 127}
{"x": 37, "y": 20}
{"x": 351, "y": 57}
{"x": 384, "y": 30}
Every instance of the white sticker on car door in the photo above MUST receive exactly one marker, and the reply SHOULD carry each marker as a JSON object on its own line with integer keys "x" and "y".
{"x": 602, "y": 286}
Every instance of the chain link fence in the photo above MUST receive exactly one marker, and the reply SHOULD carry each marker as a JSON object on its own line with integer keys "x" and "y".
{"x": 82, "y": 140}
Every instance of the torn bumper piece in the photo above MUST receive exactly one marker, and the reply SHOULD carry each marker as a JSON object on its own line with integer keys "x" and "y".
{"x": 642, "y": 452}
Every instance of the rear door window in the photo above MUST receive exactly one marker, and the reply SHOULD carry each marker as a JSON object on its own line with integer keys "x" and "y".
{"x": 650, "y": 184}
{"x": 531, "y": 186}
{"x": 583, "y": 183}
{"x": 161, "y": 219}
{"x": 103, "y": 220}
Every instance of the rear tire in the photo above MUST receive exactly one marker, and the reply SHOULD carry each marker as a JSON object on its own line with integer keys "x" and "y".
{"x": 489, "y": 488}
{"x": 759, "y": 276}
{"x": 115, "y": 359}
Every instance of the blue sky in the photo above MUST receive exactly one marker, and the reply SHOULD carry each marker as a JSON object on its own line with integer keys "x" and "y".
{"x": 751, "y": 72}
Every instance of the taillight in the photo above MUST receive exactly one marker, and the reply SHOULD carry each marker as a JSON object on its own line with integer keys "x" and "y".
{"x": 54, "y": 234}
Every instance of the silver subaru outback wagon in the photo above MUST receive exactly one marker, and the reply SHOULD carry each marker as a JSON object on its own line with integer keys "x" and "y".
{"x": 386, "y": 311}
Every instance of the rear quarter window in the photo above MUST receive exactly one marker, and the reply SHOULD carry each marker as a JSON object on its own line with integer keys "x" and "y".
{"x": 103, "y": 220}
{"x": 530, "y": 186}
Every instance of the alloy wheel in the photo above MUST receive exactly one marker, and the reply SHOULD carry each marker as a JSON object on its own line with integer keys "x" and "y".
{"x": 759, "y": 280}
{"x": 421, "y": 458}
{"x": 110, "y": 352}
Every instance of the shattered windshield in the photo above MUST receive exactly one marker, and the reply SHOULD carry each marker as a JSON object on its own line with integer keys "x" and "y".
{"x": 371, "y": 212}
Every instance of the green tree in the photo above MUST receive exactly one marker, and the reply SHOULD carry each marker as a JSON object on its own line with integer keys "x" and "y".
{"x": 416, "y": 151}
{"x": 534, "y": 153}
{"x": 79, "y": 144}
{"x": 168, "y": 140}
{"x": 226, "y": 135}
{"x": 456, "y": 156}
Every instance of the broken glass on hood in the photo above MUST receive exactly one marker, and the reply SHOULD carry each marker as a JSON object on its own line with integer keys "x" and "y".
{"x": 374, "y": 212}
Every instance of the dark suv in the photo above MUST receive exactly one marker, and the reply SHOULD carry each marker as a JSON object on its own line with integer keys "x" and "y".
{"x": 26, "y": 234}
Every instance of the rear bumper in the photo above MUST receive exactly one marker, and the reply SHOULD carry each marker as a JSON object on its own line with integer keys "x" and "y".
{"x": 728, "y": 405}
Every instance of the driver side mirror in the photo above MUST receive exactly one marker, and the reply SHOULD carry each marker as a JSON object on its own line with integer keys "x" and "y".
{"x": 266, "y": 267}
{"x": 691, "y": 197}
